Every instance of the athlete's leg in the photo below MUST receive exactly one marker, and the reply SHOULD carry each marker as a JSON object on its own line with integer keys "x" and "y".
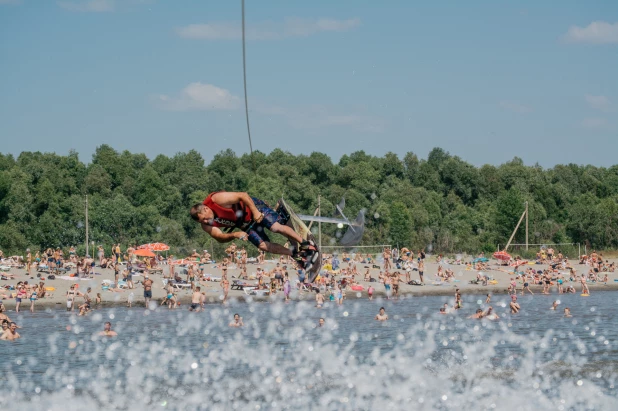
{"x": 259, "y": 239}
{"x": 286, "y": 231}
{"x": 274, "y": 248}
{"x": 271, "y": 222}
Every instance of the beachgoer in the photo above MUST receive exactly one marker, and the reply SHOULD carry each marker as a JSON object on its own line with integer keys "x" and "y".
{"x": 585, "y": 289}
{"x": 554, "y": 305}
{"x": 381, "y": 316}
{"x": 225, "y": 284}
{"x": 85, "y": 307}
{"x": 370, "y": 292}
{"x": 321, "y": 322}
{"x": 3, "y": 316}
{"x": 477, "y": 315}
{"x": 10, "y": 334}
{"x": 196, "y": 298}
{"x": 567, "y": 312}
{"x": 107, "y": 330}
{"x": 237, "y": 321}
{"x": 395, "y": 283}
{"x": 147, "y": 283}
{"x": 319, "y": 299}
{"x": 71, "y": 294}
{"x": 21, "y": 294}
{"x": 490, "y": 315}
{"x": 233, "y": 210}
{"x": 514, "y": 305}
{"x": 33, "y": 298}
{"x": 286, "y": 287}
{"x": 421, "y": 269}
{"x": 339, "y": 295}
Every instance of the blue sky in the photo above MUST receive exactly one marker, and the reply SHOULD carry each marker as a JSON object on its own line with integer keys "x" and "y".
{"x": 485, "y": 80}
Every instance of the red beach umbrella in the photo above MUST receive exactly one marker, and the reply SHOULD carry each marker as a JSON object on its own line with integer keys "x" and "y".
{"x": 502, "y": 255}
{"x": 144, "y": 253}
{"x": 154, "y": 247}
{"x": 517, "y": 263}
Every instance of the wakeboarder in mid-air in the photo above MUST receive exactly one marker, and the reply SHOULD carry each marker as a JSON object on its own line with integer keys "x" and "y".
{"x": 227, "y": 211}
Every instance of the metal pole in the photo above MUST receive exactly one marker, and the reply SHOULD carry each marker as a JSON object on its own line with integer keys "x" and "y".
{"x": 514, "y": 231}
{"x": 319, "y": 223}
{"x": 526, "y": 226}
{"x": 86, "y": 223}
{"x": 311, "y": 222}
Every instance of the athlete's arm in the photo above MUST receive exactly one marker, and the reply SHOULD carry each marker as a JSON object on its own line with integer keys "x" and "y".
{"x": 222, "y": 237}
{"x": 228, "y": 199}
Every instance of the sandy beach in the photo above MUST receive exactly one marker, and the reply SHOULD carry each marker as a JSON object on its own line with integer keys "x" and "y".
{"x": 214, "y": 293}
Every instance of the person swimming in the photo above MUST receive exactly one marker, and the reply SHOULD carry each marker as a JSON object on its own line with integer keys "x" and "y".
{"x": 237, "y": 322}
{"x": 381, "y": 316}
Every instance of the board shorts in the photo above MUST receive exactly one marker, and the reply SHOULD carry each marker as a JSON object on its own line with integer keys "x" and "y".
{"x": 148, "y": 294}
{"x": 194, "y": 306}
{"x": 256, "y": 231}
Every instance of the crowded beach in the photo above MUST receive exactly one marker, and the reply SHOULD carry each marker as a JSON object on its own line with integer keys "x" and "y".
{"x": 145, "y": 276}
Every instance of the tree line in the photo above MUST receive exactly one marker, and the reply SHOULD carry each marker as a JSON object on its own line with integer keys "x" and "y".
{"x": 441, "y": 202}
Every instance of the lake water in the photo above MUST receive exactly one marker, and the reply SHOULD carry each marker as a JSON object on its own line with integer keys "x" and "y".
{"x": 418, "y": 359}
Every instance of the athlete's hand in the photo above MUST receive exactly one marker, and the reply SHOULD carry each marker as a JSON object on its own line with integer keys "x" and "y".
{"x": 241, "y": 235}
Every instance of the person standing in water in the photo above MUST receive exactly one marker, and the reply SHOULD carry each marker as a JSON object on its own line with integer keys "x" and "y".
{"x": 514, "y": 305}
{"x": 10, "y": 334}
{"x": 107, "y": 330}
{"x": 319, "y": 299}
{"x": 196, "y": 299}
{"x": 147, "y": 283}
{"x": 585, "y": 289}
{"x": 237, "y": 321}
{"x": 381, "y": 316}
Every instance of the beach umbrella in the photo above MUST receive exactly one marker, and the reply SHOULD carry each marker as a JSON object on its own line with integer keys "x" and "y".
{"x": 154, "y": 247}
{"x": 182, "y": 262}
{"x": 502, "y": 255}
{"x": 144, "y": 253}
{"x": 517, "y": 263}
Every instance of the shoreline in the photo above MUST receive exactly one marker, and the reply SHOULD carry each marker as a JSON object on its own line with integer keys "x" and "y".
{"x": 214, "y": 292}
{"x": 185, "y": 300}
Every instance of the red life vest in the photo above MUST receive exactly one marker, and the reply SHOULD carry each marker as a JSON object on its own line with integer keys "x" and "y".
{"x": 237, "y": 216}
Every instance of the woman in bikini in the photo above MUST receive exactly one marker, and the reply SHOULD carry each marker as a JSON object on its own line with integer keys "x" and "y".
{"x": 225, "y": 284}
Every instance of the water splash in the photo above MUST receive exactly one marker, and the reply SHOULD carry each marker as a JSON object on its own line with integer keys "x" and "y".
{"x": 281, "y": 359}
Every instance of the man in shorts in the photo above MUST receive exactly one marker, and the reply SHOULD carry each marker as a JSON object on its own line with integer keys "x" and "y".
{"x": 196, "y": 300}
{"x": 228, "y": 211}
{"x": 147, "y": 283}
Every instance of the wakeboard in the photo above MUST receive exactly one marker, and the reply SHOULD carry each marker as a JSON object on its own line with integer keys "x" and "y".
{"x": 291, "y": 219}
